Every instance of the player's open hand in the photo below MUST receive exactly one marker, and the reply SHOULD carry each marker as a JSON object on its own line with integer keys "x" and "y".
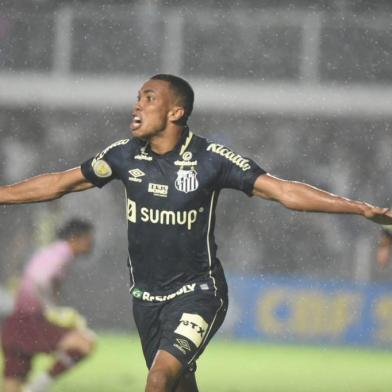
{"x": 381, "y": 216}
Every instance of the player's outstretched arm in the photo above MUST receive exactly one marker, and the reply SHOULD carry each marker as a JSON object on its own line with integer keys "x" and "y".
{"x": 303, "y": 197}
{"x": 44, "y": 187}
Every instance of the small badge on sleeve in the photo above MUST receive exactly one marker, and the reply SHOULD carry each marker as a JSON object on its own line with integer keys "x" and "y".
{"x": 101, "y": 168}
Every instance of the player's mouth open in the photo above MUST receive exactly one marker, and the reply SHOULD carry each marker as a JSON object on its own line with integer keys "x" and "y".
{"x": 136, "y": 122}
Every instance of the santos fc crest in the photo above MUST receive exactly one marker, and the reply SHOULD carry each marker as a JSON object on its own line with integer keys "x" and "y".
{"x": 186, "y": 180}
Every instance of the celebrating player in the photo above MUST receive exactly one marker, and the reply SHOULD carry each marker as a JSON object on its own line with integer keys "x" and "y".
{"x": 172, "y": 180}
{"x": 38, "y": 324}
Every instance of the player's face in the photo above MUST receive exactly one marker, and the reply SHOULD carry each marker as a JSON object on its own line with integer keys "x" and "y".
{"x": 85, "y": 243}
{"x": 151, "y": 114}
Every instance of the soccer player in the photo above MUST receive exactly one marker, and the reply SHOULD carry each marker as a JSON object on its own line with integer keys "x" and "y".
{"x": 172, "y": 179}
{"x": 38, "y": 324}
{"x": 384, "y": 249}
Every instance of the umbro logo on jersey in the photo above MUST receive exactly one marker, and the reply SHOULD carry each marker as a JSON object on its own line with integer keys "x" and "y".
{"x": 183, "y": 345}
{"x": 135, "y": 175}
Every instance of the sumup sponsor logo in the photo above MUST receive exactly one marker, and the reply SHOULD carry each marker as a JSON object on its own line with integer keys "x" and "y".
{"x": 161, "y": 217}
{"x": 238, "y": 160}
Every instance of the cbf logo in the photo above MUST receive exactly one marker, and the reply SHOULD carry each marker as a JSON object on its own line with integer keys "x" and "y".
{"x": 186, "y": 180}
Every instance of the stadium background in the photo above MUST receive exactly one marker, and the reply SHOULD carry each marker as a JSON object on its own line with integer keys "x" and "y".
{"x": 302, "y": 86}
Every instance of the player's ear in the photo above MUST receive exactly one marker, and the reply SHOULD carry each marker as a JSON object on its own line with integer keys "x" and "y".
{"x": 176, "y": 114}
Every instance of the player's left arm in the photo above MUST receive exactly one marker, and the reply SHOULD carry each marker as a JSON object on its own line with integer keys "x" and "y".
{"x": 300, "y": 196}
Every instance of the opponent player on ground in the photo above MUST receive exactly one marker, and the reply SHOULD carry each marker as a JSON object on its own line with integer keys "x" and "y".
{"x": 172, "y": 180}
{"x": 384, "y": 249}
{"x": 38, "y": 324}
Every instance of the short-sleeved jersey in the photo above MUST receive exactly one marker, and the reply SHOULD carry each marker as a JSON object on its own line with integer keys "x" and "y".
{"x": 170, "y": 207}
{"x": 43, "y": 272}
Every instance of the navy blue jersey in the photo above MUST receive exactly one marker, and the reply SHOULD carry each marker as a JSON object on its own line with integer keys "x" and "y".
{"x": 170, "y": 202}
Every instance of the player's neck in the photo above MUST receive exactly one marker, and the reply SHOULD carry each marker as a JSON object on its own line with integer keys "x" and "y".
{"x": 167, "y": 140}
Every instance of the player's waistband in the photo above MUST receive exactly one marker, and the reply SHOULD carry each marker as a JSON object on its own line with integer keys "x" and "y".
{"x": 143, "y": 295}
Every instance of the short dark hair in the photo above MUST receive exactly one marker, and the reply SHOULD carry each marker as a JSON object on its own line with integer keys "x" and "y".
{"x": 75, "y": 227}
{"x": 183, "y": 91}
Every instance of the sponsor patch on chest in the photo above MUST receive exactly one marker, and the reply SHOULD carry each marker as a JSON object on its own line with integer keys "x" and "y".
{"x": 158, "y": 189}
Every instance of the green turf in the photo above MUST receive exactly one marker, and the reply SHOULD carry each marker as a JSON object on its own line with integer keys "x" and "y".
{"x": 227, "y": 366}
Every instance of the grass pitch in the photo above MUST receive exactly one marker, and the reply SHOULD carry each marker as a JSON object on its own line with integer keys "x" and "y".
{"x": 227, "y": 366}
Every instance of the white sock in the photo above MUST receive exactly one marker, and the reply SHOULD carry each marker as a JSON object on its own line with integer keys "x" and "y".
{"x": 40, "y": 384}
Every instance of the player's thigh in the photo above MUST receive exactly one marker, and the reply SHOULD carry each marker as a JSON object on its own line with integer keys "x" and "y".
{"x": 188, "y": 324}
{"x": 16, "y": 367}
{"x": 164, "y": 372}
{"x": 31, "y": 334}
{"x": 17, "y": 354}
{"x": 169, "y": 371}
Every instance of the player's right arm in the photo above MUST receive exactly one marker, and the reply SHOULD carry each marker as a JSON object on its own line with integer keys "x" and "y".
{"x": 44, "y": 187}
{"x": 300, "y": 196}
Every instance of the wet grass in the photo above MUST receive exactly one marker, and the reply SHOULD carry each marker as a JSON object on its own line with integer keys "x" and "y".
{"x": 227, "y": 366}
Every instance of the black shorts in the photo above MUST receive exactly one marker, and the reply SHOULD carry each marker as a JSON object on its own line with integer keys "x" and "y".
{"x": 182, "y": 326}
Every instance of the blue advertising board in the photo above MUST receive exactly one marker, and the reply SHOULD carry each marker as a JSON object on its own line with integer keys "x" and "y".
{"x": 311, "y": 311}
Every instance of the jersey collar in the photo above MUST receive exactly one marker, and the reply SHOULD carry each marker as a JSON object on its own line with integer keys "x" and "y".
{"x": 184, "y": 141}
{"x": 179, "y": 149}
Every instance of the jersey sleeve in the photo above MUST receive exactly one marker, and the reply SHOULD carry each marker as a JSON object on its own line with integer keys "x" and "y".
{"x": 104, "y": 167}
{"x": 236, "y": 172}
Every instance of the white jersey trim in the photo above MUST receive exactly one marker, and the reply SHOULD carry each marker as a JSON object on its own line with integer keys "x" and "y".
{"x": 186, "y": 143}
{"x": 207, "y": 334}
{"x": 129, "y": 256}
{"x": 208, "y": 242}
{"x": 131, "y": 271}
